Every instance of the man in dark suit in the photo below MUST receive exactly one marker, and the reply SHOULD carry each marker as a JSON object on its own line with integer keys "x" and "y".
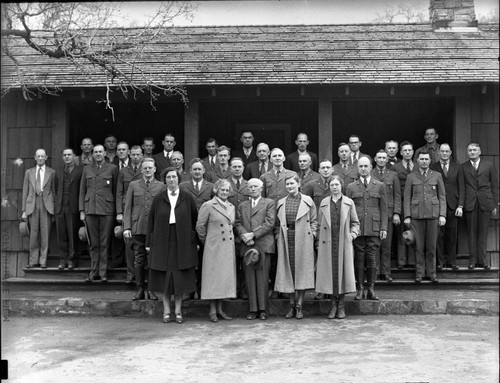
{"x": 391, "y": 148}
{"x": 210, "y": 162}
{"x": 393, "y": 190}
{"x": 406, "y": 254}
{"x": 202, "y": 191}
{"x": 110, "y": 145}
{"x": 255, "y": 221}
{"x": 292, "y": 160}
{"x": 344, "y": 168}
{"x": 354, "y": 145}
{"x": 127, "y": 174}
{"x": 262, "y": 165}
{"x": 370, "y": 199}
{"x": 247, "y": 151}
{"x": 454, "y": 186}
{"x": 162, "y": 159}
{"x": 319, "y": 188}
{"x": 139, "y": 197}
{"x": 97, "y": 209}
{"x": 66, "y": 209}
{"x": 479, "y": 201}
{"x": 222, "y": 168}
{"x": 177, "y": 160}
{"x": 425, "y": 211}
{"x": 38, "y": 207}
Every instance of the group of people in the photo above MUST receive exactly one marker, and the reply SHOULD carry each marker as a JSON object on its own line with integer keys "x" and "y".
{"x": 254, "y": 223}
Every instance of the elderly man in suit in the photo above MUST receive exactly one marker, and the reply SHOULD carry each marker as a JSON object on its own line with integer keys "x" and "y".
{"x": 344, "y": 168}
{"x": 454, "y": 186}
{"x": 247, "y": 151}
{"x": 127, "y": 174}
{"x": 38, "y": 207}
{"x": 255, "y": 221}
{"x": 292, "y": 160}
{"x": 370, "y": 199}
{"x": 391, "y": 148}
{"x": 66, "y": 208}
{"x": 202, "y": 191}
{"x": 162, "y": 159}
{"x": 257, "y": 168}
{"x": 178, "y": 163}
{"x": 138, "y": 200}
{"x": 480, "y": 201}
{"x": 406, "y": 254}
{"x": 97, "y": 210}
{"x": 425, "y": 211}
{"x": 393, "y": 190}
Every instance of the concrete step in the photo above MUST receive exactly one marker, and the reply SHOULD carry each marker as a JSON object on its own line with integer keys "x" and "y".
{"x": 53, "y": 273}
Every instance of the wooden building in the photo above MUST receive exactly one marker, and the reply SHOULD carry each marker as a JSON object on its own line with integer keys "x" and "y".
{"x": 379, "y": 81}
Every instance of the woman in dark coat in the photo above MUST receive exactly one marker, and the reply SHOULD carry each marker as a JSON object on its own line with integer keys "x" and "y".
{"x": 172, "y": 242}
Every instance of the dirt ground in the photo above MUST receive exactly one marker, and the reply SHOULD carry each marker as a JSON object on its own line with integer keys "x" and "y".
{"x": 417, "y": 348}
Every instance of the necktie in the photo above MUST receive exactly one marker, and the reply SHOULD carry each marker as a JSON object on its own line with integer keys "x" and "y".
{"x": 344, "y": 166}
{"x": 445, "y": 168}
{"x": 212, "y": 162}
{"x": 425, "y": 173}
{"x": 135, "y": 169}
{"x": 122, "y": 164}
{"x": 148, "y": 183}
{"x": 197, "y": 187}
{"x": 262, "y": 168}
{"x": 173, "y": 193}
{"x": 38, "y": 182}
{"x": 66, "y": 170}
{"x": 381, "y": 172}
{"x": 278, "y": 173}
{"x": 364, "y": 182}
{"x": 355, "y": 158}
{"x": 238, "y": 184}
{"x": 408, "y": 168}
{"x": 253, "y": 203}
{"x": 475, "y": 166}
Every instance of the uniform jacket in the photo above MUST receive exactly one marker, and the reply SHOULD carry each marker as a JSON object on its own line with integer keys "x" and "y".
{"x": 317, "y": 191}
{"x": 125, "y": 176}
{"x": 241, "y": 154}
{"x": 237, "y": 196}
{"x": 137, "y": 204}
{"x": 453, "y": 183}
{"x": 214, "y": 175}
{"x": 161, "y": 162}
{"x": 392, "y": 188}
{"x": 157, "y": 237}
{"x": 98, "y": 189}
{"x": 311, "y": 176}
{"x": 403, "y": 174}
{"x": 274, "y": 187}
{"x": 74, "y": 189}
{"x": 305, "y": 232}
{"x": 349, "y": 229}
{"x": 292, "y": 161}
{"x": 48, "y": 190}
{"x": 259, "y": 220}
{"x": 349, "y": 175}
{"x": 480, "y": 186}
{"x": 371, "y": 206}
{"x": 424, "y": 198}
{"x": 433, "y": 151}
{"x": 205, "y": 194}
{"x": 208, "y": 166}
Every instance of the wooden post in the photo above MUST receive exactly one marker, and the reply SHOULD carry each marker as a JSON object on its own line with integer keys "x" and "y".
{"x": 191, "y": 131}
{"x": 462, "y": 127}
{"x": 325, "y": 128}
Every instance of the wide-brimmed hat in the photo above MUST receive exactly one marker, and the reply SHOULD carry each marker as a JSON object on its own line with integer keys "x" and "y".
{"x": 83, "y": 234}
{"x": 251, "y": 256}
{"x": 119, "y": 231}
{"x": 24, "y": 228}
{"x": 409, "y": 237}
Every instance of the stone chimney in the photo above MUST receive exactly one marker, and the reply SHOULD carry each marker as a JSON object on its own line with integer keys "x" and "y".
{"x": 452, "y": 14}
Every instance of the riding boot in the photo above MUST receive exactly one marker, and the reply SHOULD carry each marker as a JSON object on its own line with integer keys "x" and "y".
{"x": 341, "y": 306}
{"x": 371, "y": 275}
{"x": 139, "y": 281}
{"x": 360, "y": 277}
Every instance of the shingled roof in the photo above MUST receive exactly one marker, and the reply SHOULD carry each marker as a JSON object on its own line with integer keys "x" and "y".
{"x": 315, "y": 54}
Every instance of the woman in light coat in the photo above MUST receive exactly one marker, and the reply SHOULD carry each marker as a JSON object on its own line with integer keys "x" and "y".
{"x": 296, "y": 214}
{"x": 338, "y": 226}
{"x": 215, "y": 230}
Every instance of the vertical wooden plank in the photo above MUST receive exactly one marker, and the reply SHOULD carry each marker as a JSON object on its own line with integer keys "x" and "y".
{"x": 16, "y": 239}
{"x": 487, "y": 107}
{"x": 57, "y": 115}
{"x": 462, "y": 126}
{"x": 22, "y": 261}
{"x": 475, "y": 105}
{"x": 325, "y": 128}
{"x": 496, "y": 101}
{"x": 191, "y": 129}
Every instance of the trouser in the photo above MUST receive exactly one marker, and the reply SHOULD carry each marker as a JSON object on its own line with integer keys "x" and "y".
{"x": 426, "y": 233}
{"x": 365, "y": 251}
{"x": 406, "y": 254}
{"x": 199, "y": 270}
{"x": 241, "y": 288}
{"x": 100, "y": 232}
{"x": 273, "y": 266}
{"x": 67, "y": 225}
{"x": 138, "y": 247}
{"x": 117, "y": 250}
{"x": 40, "y": 221}
{"x": 383, "y": 256}
{"x": 257, "y": 284}
{"x": 129, "y": 258}
{"x": 477, "y": 222}
{"x": 447, "y": 240}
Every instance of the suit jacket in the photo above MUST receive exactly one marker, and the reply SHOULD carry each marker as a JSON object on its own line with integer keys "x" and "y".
{"x": 292, "y": 161}
{"x": 237, "y": 196}
{"x": 403, "y": 174}
{"x": 125, "y": 176}
{"x": 74, "y": 189}
{"x": 453, "y": 183}
{"x": 424, "y": 198}
{"x": 392, "y": 188}
{"x": 260, "y": 220}
{"x": 214, "y": 175}
{"x": 48, "y": 190}
{"x": 246, "y": 160}
{"x": 371, "y": 206}
{"x": 137, "y": 204}
{"x": 161, "y": 162}
{"x": 98, "y": 189}
{"x": 317, "y": 191}
{"x": 349, "y": 175}
{"x": 252, "y": 170}
{"x": 274, "y": 187}
{"x": 360, "y": 155}
{"x": 205, "y": 194}
{"x": 480, "y": 186}
{"x": 207, "y": 164}
{"x": 391, "y": 162}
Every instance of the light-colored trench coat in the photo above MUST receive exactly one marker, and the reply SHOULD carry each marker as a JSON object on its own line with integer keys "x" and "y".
{"x": 349, "y": 229}
{"x": 305, "y": 232}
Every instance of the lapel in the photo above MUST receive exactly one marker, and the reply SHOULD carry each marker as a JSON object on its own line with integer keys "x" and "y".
{"x": 142, "y": 183}
{"x": 48, "y": 174}
{"x": 257, "y": 208}
{"x": 303, "y": 208}
{"x": 32, "y": 176}
{"x": 325, "y": 209}
{"x": 104, "y": 165}
{"x": 221, "y": 210}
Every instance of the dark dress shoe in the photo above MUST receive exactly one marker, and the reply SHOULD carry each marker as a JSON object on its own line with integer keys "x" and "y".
{"x": 273, "y": 295}
{"x": 263, "y": 315}
{"x": 166, "y": 318}
{"x": 139, "y": 295}
{"x": 252, "y": 315}
{"x": 222, "y": 315}
{"x": 400, "y": 267}
{"x": 71, "y": 266}
{"x": 178, "y": 318}
{"x": 152, "y": 296}
{"x": 434, "y": 280}
{"x": 439, "y": 267}
{"x": 291, "y": 313}
{"x": 486, "y": 267}
{"x": 88, "y": 279}
{"x": 387, "y": 278}
{"x": 319, "y": 297}
{"x": 472, "y": 267}
{"x": 418, "y": 280}
{"x": 61, "y": 267}
{"x": 129, "y": 281}
{"x": 104, "y": 279}
{"x": 43, "y": 266}
{"x": 213, "y": 317}
{"x": 327, "y": 297}
{"x": 298, "y": 312}
{"x": 455, "y": 268}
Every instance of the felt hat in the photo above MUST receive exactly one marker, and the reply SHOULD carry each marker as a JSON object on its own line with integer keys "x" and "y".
{"x": 119, "y": 231}
{"x": 83, "y": 234}
{"x": 24, "y": 228}
{"x": 251, "y": 256}
{"x": 409, "y": 237}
